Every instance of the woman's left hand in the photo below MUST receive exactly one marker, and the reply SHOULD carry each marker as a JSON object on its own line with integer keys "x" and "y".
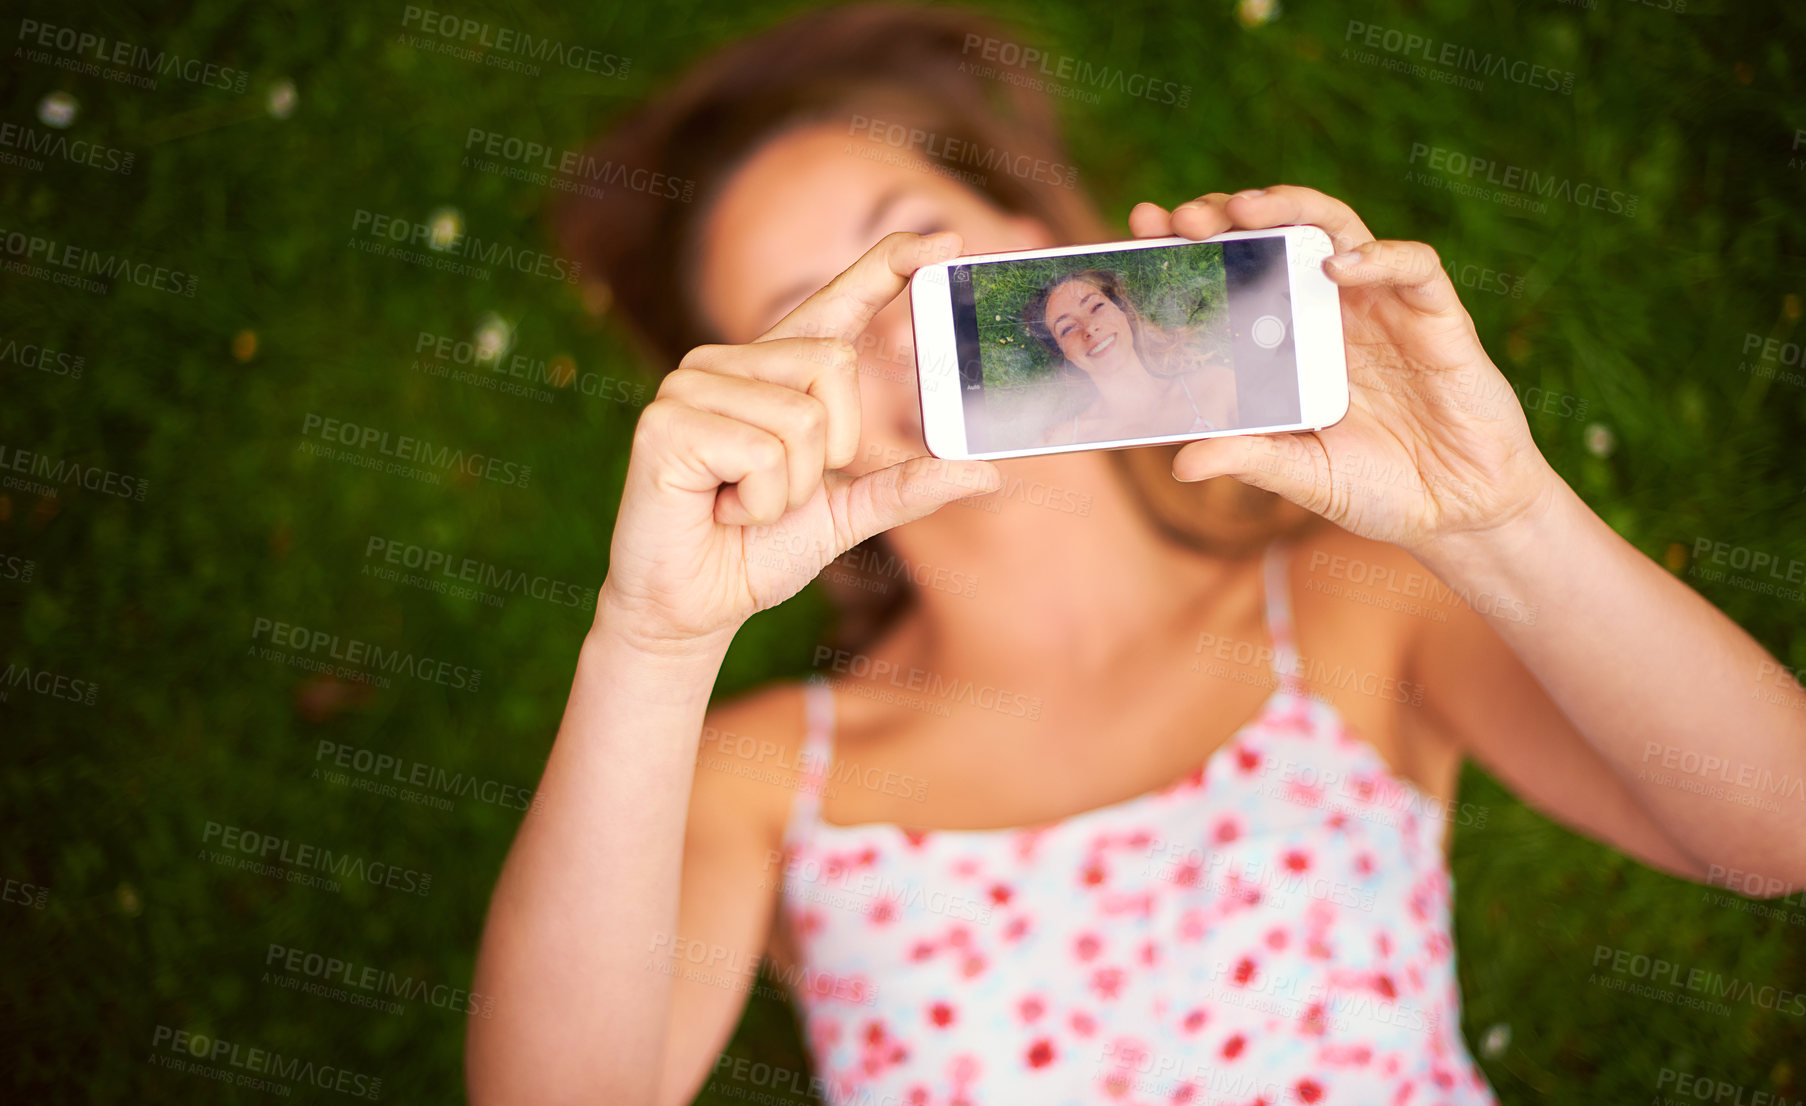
{"x": 1435, "y": 444}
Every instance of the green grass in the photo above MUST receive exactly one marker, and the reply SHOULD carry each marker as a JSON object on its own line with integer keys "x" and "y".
{"x": 1632, "y": 325}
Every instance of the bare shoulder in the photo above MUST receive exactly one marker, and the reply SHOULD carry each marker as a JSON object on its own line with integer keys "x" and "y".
{"x": 1364, "y": 610}
{"x": 749, "y": 760}
{"x": 1357, "y": 582}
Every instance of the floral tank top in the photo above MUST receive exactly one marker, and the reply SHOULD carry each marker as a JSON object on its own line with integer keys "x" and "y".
{"x": 1271, "y": 928}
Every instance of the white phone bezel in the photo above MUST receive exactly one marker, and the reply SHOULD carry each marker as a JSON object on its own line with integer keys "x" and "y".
{"x": 1316, "y": 334}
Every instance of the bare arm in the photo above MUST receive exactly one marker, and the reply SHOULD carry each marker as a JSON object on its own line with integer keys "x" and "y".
{"x": 590, "y": 888}
{"x": 1698, "y": 724}
{"x": 1701, "y": 729}
{"x": 733, "y": 501}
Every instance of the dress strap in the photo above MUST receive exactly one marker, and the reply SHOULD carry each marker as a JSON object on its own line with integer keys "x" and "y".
{"x": 818, "y": 749}
{"x": 1279, "y": 616}
{"x": 1196, "y": 414}
{"x": 1198, "y": 421}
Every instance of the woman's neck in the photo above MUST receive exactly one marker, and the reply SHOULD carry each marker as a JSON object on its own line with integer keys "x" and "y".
{"x": 1129, "y": 392}
{"x": 1065, "y": 573}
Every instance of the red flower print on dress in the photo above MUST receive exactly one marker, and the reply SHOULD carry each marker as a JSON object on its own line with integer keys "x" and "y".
{"x": 1351, "y": 1055}
{"x": 1118, "y": 935}
{"x": 1107, "y": 982}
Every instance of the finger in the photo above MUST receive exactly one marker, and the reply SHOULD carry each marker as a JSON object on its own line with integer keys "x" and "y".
{"x": 877, "y": 501}
{"x": 825, "y": 368}
{"x": 1412, "y": 269}
{"x": 701, "y": 451}
{"x": 1203, "y": 217}
{"x": 1291, "y": 465}
{"x": 797, "y": 419}
{"x": 1150, "y": 220}
{"x": 1291, "y": 205}
{"x": 843, "y": 307}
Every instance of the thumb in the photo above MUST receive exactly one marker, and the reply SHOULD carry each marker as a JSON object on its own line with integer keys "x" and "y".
{"x": 1293, "y": 466}
{"x": 875, "y": 502}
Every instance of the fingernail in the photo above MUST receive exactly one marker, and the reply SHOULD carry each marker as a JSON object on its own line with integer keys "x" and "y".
{"x": 1251, "y": 193}
{"x": 1344, "y": 260}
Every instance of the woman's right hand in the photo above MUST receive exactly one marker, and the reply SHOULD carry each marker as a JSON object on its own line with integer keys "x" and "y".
{"x": 732, "y": 501}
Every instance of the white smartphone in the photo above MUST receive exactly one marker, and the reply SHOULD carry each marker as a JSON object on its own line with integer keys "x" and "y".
{"x": 1128, "y": 343}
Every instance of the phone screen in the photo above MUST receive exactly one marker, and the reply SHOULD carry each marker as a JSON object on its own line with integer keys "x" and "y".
{"x": 1127, "y": 344}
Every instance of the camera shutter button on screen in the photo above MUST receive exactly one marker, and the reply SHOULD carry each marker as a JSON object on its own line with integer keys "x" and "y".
{"x": 1268, "y": 331}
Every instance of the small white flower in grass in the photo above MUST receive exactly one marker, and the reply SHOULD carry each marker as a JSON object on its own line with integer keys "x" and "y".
{"x": 1253, "y": 13}
{"x": 494, "y": 338}
{"x": 281, "y": 100}
{"x": 446, "y": 226}
{"x": 1600, "y": 439}
{"x": 58, "y": 109}
{"x": 1495, "y": 1041}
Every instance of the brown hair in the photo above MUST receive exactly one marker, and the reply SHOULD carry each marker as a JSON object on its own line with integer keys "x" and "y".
{"x": 639, "y": 246}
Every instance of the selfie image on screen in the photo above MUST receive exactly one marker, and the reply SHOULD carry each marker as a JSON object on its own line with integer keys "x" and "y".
{"x": 1139, "y": 343}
